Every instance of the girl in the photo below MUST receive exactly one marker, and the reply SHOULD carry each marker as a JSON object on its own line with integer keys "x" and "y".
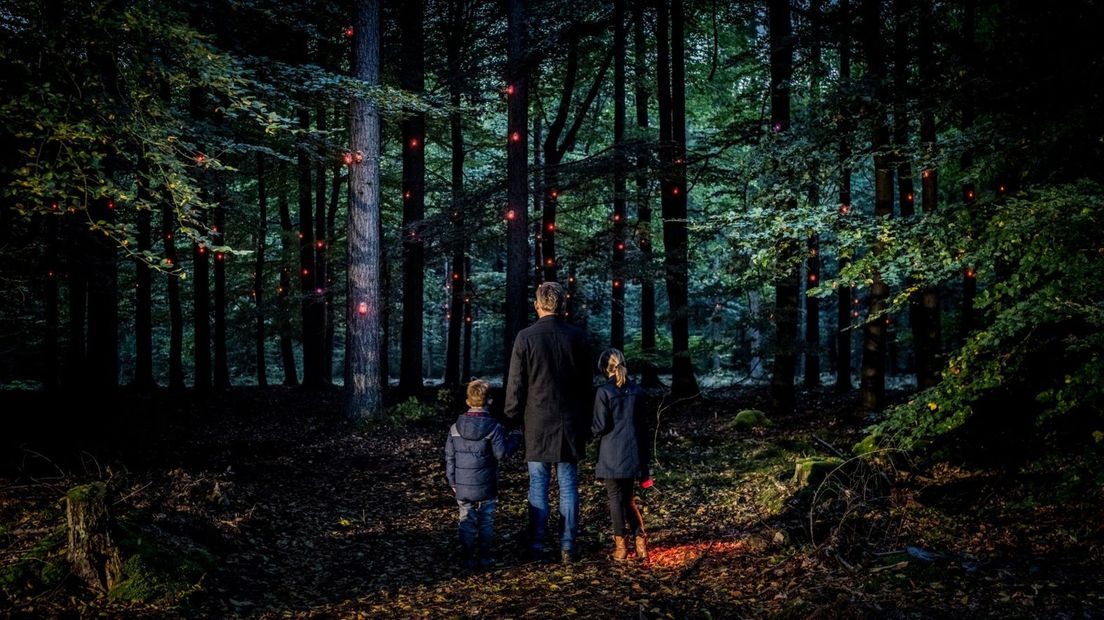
{"x": 622, "y": 455}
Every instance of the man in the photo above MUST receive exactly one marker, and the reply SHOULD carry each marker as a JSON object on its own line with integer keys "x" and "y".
{"x": 550, "y": 385}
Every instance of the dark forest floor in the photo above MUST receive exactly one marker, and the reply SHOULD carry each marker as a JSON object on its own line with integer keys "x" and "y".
{"x": 268, "y": 504}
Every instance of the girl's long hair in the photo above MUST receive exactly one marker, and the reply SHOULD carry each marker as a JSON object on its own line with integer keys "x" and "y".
{"x": 615, "y": 366}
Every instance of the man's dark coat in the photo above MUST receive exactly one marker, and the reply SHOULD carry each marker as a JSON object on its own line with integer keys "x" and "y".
{"x": 550, "y": 385}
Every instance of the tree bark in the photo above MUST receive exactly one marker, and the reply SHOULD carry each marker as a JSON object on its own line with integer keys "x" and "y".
{"x": 143, "y": 301}
{"x": 787, "y": 287}
{"x": 311, "y": 309}
{"x": 517, "y": 217}
{"x": 617, "y": 307}
{"x": 321, "y": 269}
{"x": 218, "y": 234}
{"x": 258, "y": 271}
{"x": 928, "y": 333}
{"x": 812, "y": 244}
{"x": 872, "y": 384}
{"x": 459, "y": 276}
{"x": 75, "y": 374}
{"x": 51, "y": 363}
{"x": 844, "y": 311}
{"x": 969, "y": 191}
{"x": 103, "y": 315}
{"x": 92, "y": 551}
{"x": 413, "y": 188}
{"x": 176, "y": 313}
{"x": 283, "y": 291}
{"x": 643, "y": 163}
{"x": 362, "y": 381}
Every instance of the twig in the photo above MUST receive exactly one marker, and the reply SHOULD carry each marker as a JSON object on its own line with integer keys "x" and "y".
{"x": 30, "y": 531}
{"x": 45, "y": 458}
{"x": 901, "y": 564}
{"x": 830, "y": 447}
{"x": 133, "y": 493}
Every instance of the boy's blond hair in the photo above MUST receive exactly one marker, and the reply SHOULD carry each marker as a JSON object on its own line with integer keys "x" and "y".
{"x": 477, "y": 393}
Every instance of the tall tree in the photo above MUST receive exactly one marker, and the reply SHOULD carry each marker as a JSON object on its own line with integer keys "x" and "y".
{"x": 617, "y": 308}
{"x": 413, "y": 194}
{"x": 812, "y": 260}
{"x": 787, "y": 286}
{"x": 643, "y": 206}
{"x": 672, "y": 130}
{"x": 311, "y": 306}
{"x": 969, "y": 191}
{"x": 51, "y": 363}
{"x": 363, "y": 397}
{"x": 176, "y": 314}
{"x": 517, "y": 177}
{"x": 844, "y": 313}
{"x": 283, "y": 291}
{"x": 218, "y": 236}
{"x": 459, "y": 276}
{"x": 143, "y": 295}
{"x": 872, "y": 384}
{"x": 321, "y": 268}
{"x": 927, "y": 331}
{"x": 258, "y": 271}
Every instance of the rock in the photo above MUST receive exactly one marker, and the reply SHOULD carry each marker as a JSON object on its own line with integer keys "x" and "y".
{"x": 749, "y": 419}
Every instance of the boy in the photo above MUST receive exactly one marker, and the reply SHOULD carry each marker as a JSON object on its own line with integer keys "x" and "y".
{"x": 476, "y": 442}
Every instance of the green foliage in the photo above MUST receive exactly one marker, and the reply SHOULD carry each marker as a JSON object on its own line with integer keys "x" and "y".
{"x": 411, "y": 410}
{"x": 749, "y": 419}
{"x": 1039, "y": 261}
{"x": 42, "y": 566}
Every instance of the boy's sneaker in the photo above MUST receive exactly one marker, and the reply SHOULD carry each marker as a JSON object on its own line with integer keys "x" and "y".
{"x": 567, "y": 557}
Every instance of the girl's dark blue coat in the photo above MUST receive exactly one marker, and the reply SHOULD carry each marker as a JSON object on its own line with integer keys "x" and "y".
{"x": 622, "y": 425}
{"x": 475, "y": 445}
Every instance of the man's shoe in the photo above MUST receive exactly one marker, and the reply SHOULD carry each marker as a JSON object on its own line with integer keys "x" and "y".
{"x": 567, "y": 557}
{"x": 620, "y": 548}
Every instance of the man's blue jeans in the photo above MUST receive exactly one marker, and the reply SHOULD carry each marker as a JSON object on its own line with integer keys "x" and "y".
{"x": 567, "y": 475}
{"x": 477, "y": 517}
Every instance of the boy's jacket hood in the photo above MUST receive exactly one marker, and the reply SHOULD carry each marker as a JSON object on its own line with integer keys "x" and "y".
{"x": 475, "y": 427}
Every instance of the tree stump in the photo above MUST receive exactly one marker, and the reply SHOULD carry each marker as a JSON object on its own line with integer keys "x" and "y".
{"x": 92, "y": 551}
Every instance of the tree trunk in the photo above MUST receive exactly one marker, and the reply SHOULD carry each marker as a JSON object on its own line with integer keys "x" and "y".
{"x": 643, "y": 206}
{"x": 143, "y": 302}
{"x": 927, "y": 332}
{"x": 283, "y": 291}
{"x": 362, "y": 340}
{"x": 844, "y": 311}
{"x": 969, "y": 193}
{"x": 331, "y": 278}
{"x": 92, "y": 551}
{"x": 321, "y": 269}
{"x": 258, "y": 271}
{"x": 222, "y": 368}
{"x": 176, "y": 313}
{"x": 413, "y": 193}
{"x": 51, "y": 363}
{"x": 459, "y": 275}
{"x": 311, "y": 309}
{"x": 517, "y": 218}
{"x": 617, "y": 307}
{"x": 103, "y": 315}
{"x": 469, "y": 321}
{"x": 812, "y": 244}
{"x": 872, "y": 384}
{"x": 787, "y": 287}
{"x": 75, "y": 374}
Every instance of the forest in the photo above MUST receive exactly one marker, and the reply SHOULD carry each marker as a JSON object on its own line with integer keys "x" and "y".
{"x": 253, "y": 252}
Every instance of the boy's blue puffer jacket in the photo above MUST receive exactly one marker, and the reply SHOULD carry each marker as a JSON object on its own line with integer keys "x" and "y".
{"x": 476, "y": 442}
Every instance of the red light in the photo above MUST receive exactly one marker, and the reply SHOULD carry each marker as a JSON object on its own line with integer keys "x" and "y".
{"x": 49, "y": 274}
{"x": 347, "y": 159}
{"x": 548, "y": 261}
{"x": 620, "y": 245}
{"x": 362, "y": 308}
{"x": 888, "y": 321}
{"x": 812, "y": 277}
{"x": 300, "y": 235}
{"x": 926, "y": 174}
{"x": 970, "y": 195}
{"x": 855, "y": 313}
{"x": 200, "y": 158}
{"x": 306, "y": 272}
{"x": 320, "y": 244}
{"x": 515, "y": 137}
{"x": 72, "y": 209}
{"x": 675, "y": 190}
{"x": 214, "y": 229}
{"x": 509, "y": 89}
{"x": 617, "y": 217}
{"x": 168, "y": 261}
{"x": 168, "y": 236}
{"x": 908, "y": 197}
{"x": 348, "y": 32}
{"x": 554, "y": 193}
{"x": 571, "y": 280}
{"x": 455, "y": 276}
{"x": 1001, "y": 189}
{"x": 777, "y": 126}
{"x": 647, "y": 484}
{"x": 219, "y": 256}
{"x": 202, "y": 250}
{"x": 617, "y": 283}
{"x": 467, "y": 319}
{"x": 110, "y": 204}
{"x": 551, "y": 226}
{"x": 970, "y": 273}
{"x": 406, "y": 195}
{"x": 844, "y": 209}
{"x": 318, "y": 291}
{"x": 511, "y": 215}
{"x": 54, "y": 206}
{"x": 854, "y": 302}
{"x": 413, "y": 143}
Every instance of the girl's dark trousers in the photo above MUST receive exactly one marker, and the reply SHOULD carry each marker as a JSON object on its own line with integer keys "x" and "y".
{"x": 622, "y": 509}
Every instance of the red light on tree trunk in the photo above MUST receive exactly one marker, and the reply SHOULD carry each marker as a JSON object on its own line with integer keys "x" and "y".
{"x": 306, "y": 272}
{"x": 511, "y": 215}
{"x": 844, "y": 209}
{"x": 515, "y": 137}
{"x": 348, "y": 32}
{"x": 413, "y": 143}
{"x": 675, "y": 190}
{"x": 362, "y": 308}
{"x": 551, "y": 227}
{"x": 347, "y": 159}
{"x": 510, "y": 89}
{"x": 200, "y": 158}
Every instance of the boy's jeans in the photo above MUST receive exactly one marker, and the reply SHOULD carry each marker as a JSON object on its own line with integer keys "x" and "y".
{"x": 477, "y": 517}
{"x": 567, "y": 475}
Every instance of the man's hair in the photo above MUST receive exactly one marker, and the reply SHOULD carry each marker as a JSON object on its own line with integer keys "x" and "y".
{"x": 550, "y": 297}
{"x": 477, "y": 393}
